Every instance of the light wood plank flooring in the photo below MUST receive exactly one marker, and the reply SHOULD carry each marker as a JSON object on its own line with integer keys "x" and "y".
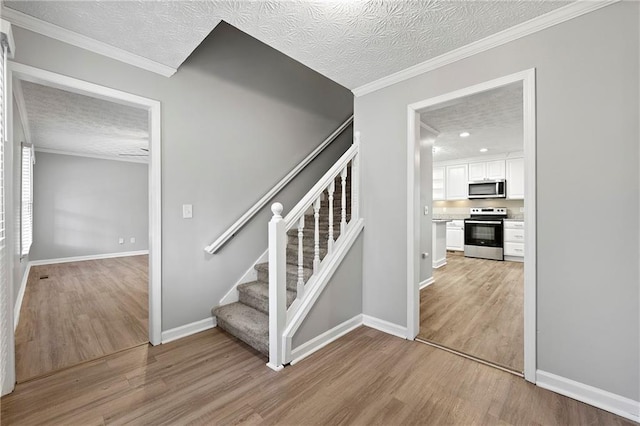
{"x": 82, "y": 311}
{"x": 475, "y": 306}
{"x": 366, "y": 377}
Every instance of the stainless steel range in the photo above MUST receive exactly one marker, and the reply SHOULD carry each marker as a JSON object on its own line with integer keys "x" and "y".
{"x": 483, "y": 233}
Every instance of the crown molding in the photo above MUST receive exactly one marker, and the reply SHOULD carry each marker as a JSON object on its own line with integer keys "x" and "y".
{"x": 555, "y": 17}
{"x": 18, "y": 94}
{"x": 67, "y": 36}
{"x": 96, "y": 156}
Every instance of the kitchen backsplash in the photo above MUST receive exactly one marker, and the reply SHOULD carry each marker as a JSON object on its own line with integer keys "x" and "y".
{"x": 460, "y": 209}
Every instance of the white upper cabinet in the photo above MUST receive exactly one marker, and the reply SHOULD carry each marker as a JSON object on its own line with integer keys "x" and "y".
{"x": 477, "y": 171}
{"x": 515, "y": 178}
{"x": 496, "y": 169}
{"x": 488, "y": 170}
{"x": 438, "y": 183}
{"x": 457, "y": 182}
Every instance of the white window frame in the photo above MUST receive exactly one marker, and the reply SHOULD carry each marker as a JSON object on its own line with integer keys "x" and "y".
{"x": 26, "y": 198}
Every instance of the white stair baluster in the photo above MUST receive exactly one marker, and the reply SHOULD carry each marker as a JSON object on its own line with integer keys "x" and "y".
{"x": 316, "y": 247}
{"x": 300, "y": 287}
{"x": 332, "y": 189}
{"x": 343, "y": 221}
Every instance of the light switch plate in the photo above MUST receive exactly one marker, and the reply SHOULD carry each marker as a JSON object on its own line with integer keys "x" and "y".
{"x": 120, "y": 240}
{"x": 426, "y": 210}
{"x": 132, "y": 240}
{"x": 187, "y": 211}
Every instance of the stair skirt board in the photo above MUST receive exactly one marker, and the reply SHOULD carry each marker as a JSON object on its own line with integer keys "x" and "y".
{"x": 188, "y": 329}
{"x": 250, "y": 275}
{"x": 329, "y": 336}
{"x": 597, "y": 397}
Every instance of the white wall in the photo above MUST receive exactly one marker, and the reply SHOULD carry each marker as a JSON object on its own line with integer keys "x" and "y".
{"x": 236, "y": 117}
{"x": 82, "y": 206}
{"x": 587, "y": 161}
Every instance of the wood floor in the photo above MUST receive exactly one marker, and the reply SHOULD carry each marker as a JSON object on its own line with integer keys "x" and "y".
{"x": 82, "y": 311}
{"x": 367, "y": 377}
{"x": 475, "y": 306}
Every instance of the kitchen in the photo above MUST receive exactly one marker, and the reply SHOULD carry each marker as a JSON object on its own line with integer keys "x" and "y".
{"x": 473, "y": 304}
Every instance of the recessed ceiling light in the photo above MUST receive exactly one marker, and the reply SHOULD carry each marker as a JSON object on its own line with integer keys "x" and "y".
{"x": 483, "y": 150}
{"x": 465, "y": 134}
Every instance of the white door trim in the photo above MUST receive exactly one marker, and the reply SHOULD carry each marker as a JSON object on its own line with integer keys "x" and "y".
{"x": 527, "y": 78}
{"x": 59, "y": 81}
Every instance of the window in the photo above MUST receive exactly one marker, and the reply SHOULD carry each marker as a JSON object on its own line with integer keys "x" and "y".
{"x": 26, "y": 199}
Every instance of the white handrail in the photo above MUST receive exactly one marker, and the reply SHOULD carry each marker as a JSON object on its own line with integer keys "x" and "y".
{"x": 229, "y": 233}
{"x": 319, "y": 187}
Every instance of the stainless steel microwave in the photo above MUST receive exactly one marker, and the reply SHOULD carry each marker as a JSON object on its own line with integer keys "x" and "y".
{"x": 488, "y": 189}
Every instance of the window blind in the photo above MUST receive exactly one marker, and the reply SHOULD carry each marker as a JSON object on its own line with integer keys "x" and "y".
{"x": 26, "y": 200}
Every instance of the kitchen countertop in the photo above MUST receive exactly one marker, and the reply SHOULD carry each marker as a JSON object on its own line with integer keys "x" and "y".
{"x": 442, "y": 220}
{"x": 514, "y": 220}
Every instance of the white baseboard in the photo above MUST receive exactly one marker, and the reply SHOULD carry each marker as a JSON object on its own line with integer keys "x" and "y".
{"x": 18, "y": 305}
{"x": 89, "y": 257}
{"x": 385, "y": 326}
{"x": 319, "y": 342}
{"x": 605, "y": 400}
{"x": 427, "y": 283}
{"x": 439, "y": 263}
{"x": 188, "y": 329}
{"x": 251, "y": 275}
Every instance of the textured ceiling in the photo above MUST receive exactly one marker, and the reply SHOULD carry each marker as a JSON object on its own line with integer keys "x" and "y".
{"x": 73, "y": 123}
{"x": 350, "y": 42}
{"x": 493, "y": 119}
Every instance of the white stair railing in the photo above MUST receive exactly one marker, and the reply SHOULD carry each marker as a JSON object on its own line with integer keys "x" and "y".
{"x": 281, "y": 319}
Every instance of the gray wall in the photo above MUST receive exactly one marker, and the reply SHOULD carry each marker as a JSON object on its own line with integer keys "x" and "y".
{"x": 588, "y": 161}
{"x": 19, "y": 264}
{"x": 82, "y": 206}
{"x": 340, "y": 300}
{"x": 236, "y": 117}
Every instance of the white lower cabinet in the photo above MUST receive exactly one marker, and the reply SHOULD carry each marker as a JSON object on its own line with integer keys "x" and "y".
{"x": 455, "y": 235}
{"x": 514, "y": 241}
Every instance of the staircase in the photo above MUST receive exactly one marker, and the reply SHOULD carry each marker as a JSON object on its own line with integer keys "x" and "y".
{"x": 248, "y": 319}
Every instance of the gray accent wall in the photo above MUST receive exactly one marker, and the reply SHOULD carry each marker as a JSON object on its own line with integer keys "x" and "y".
{"x": 236, "y": 117}
{"x": 587, "y": 163}
{"x": 340, "y": 301}
{"x": 82, "y": 206}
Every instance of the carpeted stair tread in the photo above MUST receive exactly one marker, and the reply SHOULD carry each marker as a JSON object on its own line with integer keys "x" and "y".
{"x": 246, "y": 323}
{"x": 292, "y": 274}
{"x": 256, "y": 295}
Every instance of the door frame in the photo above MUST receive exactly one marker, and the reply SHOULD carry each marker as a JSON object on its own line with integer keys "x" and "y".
{"x": 528, "y": 79}
{"x": 70, "y": 84}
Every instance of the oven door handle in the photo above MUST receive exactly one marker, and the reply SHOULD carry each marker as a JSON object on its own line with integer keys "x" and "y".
{"x": 483, "y": 222}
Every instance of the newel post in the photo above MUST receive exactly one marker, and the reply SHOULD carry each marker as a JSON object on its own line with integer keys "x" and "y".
{"x": 277, "y": 286}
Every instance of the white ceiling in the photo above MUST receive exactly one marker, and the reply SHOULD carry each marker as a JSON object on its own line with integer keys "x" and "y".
{"x": 494, "y": 120}
{"x": 68, "y": 122}
{"x": 351, "y": 42}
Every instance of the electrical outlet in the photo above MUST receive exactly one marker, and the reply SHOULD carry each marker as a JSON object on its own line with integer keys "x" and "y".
{"x": 187, "y": 211}
{"x": 120, "y": 240}
{"x": 132, "y": 240}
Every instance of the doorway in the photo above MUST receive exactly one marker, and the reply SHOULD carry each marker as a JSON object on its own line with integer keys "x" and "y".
{"x": 136, "y": 266}
{"x": 417, "y": 212}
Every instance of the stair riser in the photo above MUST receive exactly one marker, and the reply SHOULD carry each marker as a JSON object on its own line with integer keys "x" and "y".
{"x": 292, "y": 278}
{"x": 261, "y": 304}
